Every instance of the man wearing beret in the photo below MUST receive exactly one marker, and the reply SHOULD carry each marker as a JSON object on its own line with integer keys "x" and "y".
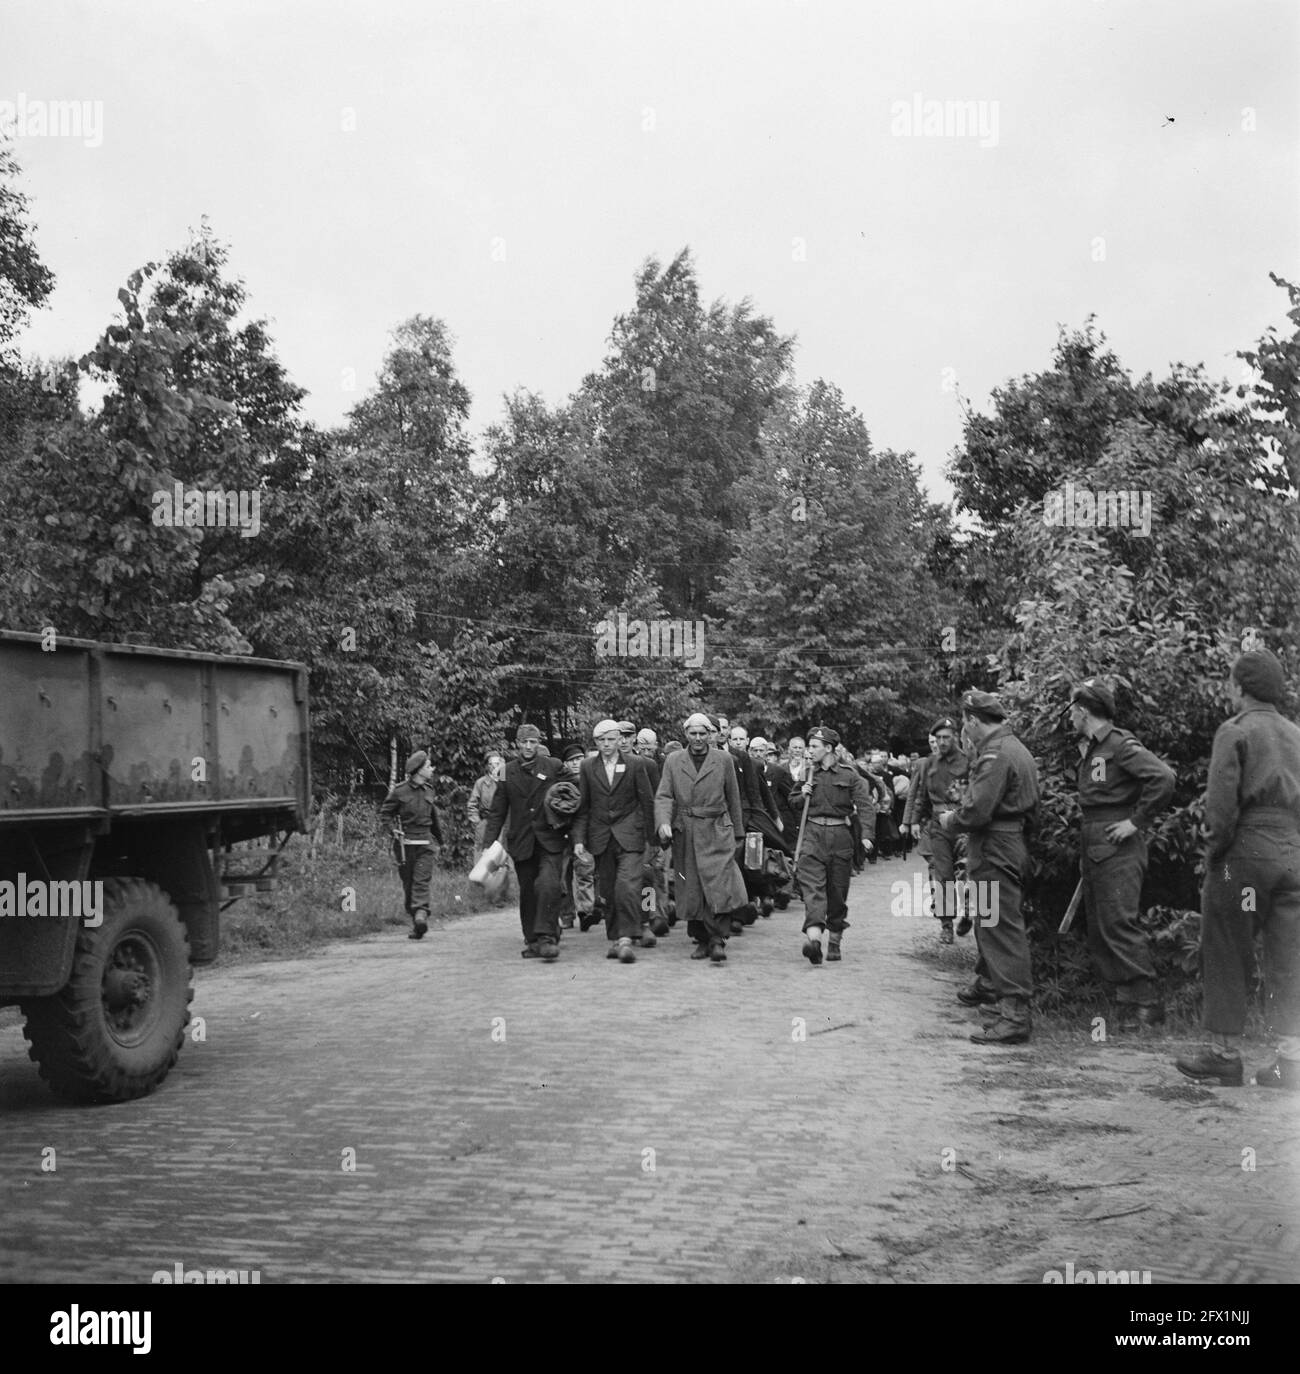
{"x": 408, "y": 808}
{"x": 614, "y": 824}
{"x": 938, "y": 790}
{"x": 1001, "y": 796}
{"x": 536, "y": 847}
{"x": 1252, "y": 877}
{"x": 835, "y": 791}
{"x": 1122, "y": 789}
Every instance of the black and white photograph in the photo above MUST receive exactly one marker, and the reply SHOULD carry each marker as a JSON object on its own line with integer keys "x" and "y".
{"x": 650, "y": 644}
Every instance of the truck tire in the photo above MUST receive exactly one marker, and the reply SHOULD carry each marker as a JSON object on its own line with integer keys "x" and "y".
{"x": 116, "y": 1029}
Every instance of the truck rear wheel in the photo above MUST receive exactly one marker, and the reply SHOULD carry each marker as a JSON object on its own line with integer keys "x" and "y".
{"x": 116, "y": 1029}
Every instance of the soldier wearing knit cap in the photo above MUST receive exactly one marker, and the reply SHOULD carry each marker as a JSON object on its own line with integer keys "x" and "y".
{"x": 1122, "y": 789}
{"x": 408, "y": 809}
{"x": 1252, "y": 878}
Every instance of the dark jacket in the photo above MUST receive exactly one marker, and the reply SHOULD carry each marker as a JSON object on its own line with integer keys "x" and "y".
{"x": 411, "y": 803}
{"x": 1254, "y": 777}
{"x": 1115, "y": 771}
{"x": 624, "y": 812}
{"x": 519, "y": 797}
{"x": 1003, "y": 785}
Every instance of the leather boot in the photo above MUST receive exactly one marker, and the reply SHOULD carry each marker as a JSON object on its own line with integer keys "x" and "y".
{"x": 1011, "y": 1026}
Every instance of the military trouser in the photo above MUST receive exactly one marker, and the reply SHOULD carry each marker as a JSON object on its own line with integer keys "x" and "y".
{"x": 1256, "y": 883}
{"x": 1112, "y": 887}
{"x": 999, "y": 855}
{"x": 618, "y": 876}
{"x": 825, "y": 867}
{"x": 539, "y": 895}
{"x": 416, "y": 873}
{"x": 943, "y": 869}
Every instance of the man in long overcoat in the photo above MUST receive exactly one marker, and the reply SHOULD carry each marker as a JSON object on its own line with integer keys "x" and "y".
{"x": 698, "y": 808}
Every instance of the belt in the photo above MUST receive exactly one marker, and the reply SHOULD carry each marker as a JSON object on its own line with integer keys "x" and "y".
{"x": 1270, "y": 813}
{"x": 828, "y": 820}
{"x": 1107, "y": 813}
{"x": 1007, "y": 825}
{"x": 703, "y": 815}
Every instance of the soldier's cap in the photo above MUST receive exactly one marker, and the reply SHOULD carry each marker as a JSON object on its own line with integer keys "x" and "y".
{"x": 527, "y": 732}
{"x": 827, "y": 736}
{"x": 984, "y": 702}
{"x": 715, "y": 723}
{"x": 944, "y": 723}
{"x": 1260, "y": 675}
{"x": 1096, "y": 696}
{"x": 573, "y": 751}
{"x": 416, "y": 762}
{"x": 604, "y": 727}
{"x": 646, "y": 736}
{"x": 625, "y": 727}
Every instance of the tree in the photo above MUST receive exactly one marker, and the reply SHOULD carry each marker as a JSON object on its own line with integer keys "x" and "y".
{"x": 829, "y": 578}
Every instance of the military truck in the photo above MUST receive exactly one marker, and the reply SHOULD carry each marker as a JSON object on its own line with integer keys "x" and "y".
{"x": 127, "y": 776}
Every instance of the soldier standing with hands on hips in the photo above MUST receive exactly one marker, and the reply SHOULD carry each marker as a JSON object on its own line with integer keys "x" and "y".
{"x": 408, "y": 808}
{"x": 1122, "y": 788}
{"x": 834, "y": 790}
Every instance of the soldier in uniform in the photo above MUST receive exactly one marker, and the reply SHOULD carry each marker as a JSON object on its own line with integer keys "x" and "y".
{"x": 1001, "y": 797}
{"x": 825, "y": 866}
{"x": 1252, "y": 877}
{"x": 1122, "y": 789}
{"x": 938, "y": 791}
{"x": 409, "y": 809}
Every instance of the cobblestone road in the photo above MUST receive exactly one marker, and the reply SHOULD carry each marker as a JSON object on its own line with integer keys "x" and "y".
{"x": 659, "y": 1122}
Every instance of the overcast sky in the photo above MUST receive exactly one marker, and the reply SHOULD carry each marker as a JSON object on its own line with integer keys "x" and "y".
{"x": 507, "y": 167}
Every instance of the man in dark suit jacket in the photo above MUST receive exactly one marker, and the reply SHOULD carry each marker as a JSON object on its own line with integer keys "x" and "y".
{"x": 615, "y": 822}
{"x": 536, "y": 848}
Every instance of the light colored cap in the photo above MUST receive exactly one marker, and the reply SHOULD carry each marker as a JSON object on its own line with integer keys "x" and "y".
{"x": 646, "y": 736}
{"x": 605, "y": 727}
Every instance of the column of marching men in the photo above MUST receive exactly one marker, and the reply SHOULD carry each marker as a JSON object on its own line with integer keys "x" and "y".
{"x": 715, "y": 831}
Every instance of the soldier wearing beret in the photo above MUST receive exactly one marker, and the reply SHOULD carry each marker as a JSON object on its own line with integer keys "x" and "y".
{"x": 836, "y": 791}
{"x": 536, "y": 847}
{"x": 408, "y": 809}
{"x": 1252, "y": 877}
{"x": 1001, "y": 796}
{"x": 938, "y": 790}
{"x": 1122, "y": 789}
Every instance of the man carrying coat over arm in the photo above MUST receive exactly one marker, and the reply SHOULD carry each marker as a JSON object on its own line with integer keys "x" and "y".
{"x": 530, "y": 840}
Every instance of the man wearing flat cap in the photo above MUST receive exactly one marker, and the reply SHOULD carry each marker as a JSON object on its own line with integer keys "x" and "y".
{"x": 836, "y": 791}
{"x": 408, "y": 810}
{"x": 1001, "y": 797}
{"x": 938, "y": 790}
{"x": 614, "y": 824}
{"x": 1122, "y": 789}
{"x": 1252, "y": 878}
{"x": 531, "y": 840}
